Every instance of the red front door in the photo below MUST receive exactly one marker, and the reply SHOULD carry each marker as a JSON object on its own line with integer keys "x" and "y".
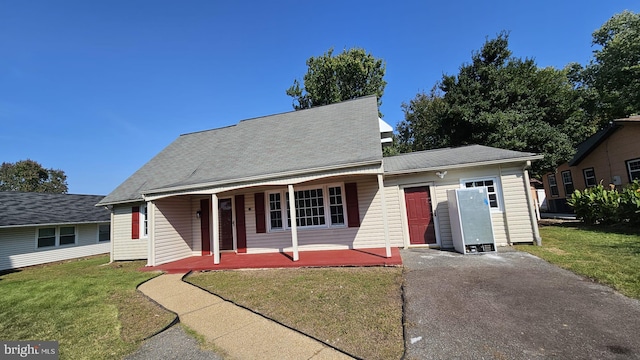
{"x": 204, "y": 227}
{"x": 226, "y": 224}
{"x": 419, "y": 216}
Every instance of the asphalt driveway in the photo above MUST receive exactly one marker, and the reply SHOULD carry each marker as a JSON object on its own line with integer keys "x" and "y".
{"x": 511, "y": 305}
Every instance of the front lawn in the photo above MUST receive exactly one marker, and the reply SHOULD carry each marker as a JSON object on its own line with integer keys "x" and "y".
{"x": 609, "y": 255}
{"x": 358, "y": 310}
{"x": 90, "y": 307}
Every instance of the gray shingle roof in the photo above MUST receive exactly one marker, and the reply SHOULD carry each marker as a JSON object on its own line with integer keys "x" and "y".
{"x": 20, "y": 208}
{"x": 440, "y": 159}
{"x": 327, "y": 136}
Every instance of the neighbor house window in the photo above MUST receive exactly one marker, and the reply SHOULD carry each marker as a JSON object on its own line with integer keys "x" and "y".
{"x": 491, "y": 185}
{"x": 144, "y": 221}
{"x": 55, "y": 236}
{"x": 567, "y": 182}
{"x": 315, "y": 207}
{"x": 633, "y": 166}
{"x": 104, "y": 232}
{"x": 553, "y": 185}
{"x": 589, "y": 177}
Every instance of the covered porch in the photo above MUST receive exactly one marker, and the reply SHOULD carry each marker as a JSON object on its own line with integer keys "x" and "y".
{"x": 322, "y": 258}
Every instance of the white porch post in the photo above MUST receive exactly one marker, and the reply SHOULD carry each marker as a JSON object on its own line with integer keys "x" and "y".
{"x": 215, "y": 228}
{"x": 294, "y": 227}
{"x": 387, "y": 242}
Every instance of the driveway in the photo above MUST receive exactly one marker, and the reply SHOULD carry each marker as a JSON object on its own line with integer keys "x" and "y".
{"x": 511, "y": 305}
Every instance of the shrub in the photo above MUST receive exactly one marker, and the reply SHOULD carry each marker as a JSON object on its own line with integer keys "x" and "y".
{"x": 598, "y": 205}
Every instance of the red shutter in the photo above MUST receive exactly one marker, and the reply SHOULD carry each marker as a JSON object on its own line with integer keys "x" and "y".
{"x": 135, "y": 222}
{"x": 241, "y": 230}
{"x": 261, "y": 223}
{"x": 353, "y": 213}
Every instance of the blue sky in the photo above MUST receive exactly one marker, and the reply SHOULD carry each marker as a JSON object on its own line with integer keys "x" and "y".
{"x": 97, "y": 88}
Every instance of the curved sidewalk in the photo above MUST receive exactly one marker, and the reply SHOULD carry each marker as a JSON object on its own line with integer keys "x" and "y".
{"x": 239, "y": 332}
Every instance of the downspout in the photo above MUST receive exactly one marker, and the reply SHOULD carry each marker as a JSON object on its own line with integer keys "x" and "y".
{"x": 505, "y": 215}
{"x": 532, "y": 214}
{"x": 111, "y": 226}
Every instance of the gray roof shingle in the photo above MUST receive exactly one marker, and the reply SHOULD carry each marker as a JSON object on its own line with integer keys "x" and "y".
{"x": 21, "y": 208}
{"x": 440, "y": 159}
{"x": 326, "y": 136}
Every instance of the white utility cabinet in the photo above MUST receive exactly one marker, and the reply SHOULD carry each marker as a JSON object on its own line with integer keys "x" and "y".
{"x": 470, "y": 217}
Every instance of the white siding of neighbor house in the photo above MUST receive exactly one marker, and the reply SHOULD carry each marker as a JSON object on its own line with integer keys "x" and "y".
{"x": 370, "y": 233}
{"x": 515, "y": 210}
{"x": 19, "y": 246}
{"x": 173, "y": 233}
{"x": 124, "y": 247}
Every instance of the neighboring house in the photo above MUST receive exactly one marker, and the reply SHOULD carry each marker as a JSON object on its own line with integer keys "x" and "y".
{"x": 610, "y": 156}
{"x": 37, "y": 228}
{"x": 308, "y": 180}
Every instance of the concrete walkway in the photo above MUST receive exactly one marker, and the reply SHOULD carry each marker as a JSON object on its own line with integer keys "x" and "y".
{"x": 240, "y": 333}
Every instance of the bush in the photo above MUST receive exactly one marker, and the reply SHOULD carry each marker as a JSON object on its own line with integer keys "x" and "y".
{"x": 598, "y": 205}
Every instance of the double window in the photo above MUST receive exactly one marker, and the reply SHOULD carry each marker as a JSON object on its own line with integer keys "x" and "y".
{"x": 492, "y": 187}
{"x": 589, "y": 177}
{"x": 553, "y": 185}
{"x": 633, "y": 167}
{"x": 54, "y": 236}
{"x": 567, "y": 182}
{"x": 318, "y": 206}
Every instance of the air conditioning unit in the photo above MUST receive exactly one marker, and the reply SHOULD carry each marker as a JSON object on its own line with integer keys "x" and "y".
{"x": 470, "y": 217}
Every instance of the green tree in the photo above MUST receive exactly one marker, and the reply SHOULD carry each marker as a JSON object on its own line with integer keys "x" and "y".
{"x": 614, "y": 72}
{"x": 501, "y": 101}
{"x": 30, "y": 176}
{"x": 330, "y": 79}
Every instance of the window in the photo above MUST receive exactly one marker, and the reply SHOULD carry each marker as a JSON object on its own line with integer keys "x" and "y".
{"x": 553, "y": 185}
{"x": 275, "y": 211}
{"x": 589, "y": 177}
{"x": 567, "y": 181}
{"x": 55, "y": 236}
{"x": 144, "y": 221}
{"x": 46, "y": 237}
{"x": 492, "y": 188}
{"x": 315, "y": 207}
{"x": 104, "y": 232}
{"x": 633, "y": 166}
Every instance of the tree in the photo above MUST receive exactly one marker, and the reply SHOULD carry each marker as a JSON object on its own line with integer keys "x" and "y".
{"x": 501, "y": 101}
{"x": 331, "y": 79}
{"x": 614, "y": 72}
{"x": 30, "y": 176}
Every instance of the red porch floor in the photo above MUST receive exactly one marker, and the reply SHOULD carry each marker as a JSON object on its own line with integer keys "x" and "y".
{"x": 328, "y": 258}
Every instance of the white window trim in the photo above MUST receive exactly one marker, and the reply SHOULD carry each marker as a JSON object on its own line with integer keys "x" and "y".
{"x": 327, "y": 208}
{"x": 57, "y": 237}
{"x": 98, "y": 233}
{"x": 628, "y": 162}
{"x": 586, "y": 178}
{"x": 564, "y": 184}
{"x": 497, "y": 185}
{"x": 143, "y": 218}
{"x": 555, "y": 180}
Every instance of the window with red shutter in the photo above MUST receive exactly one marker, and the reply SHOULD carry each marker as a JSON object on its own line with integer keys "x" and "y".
{"x": 261, "y": 223}
{"x": 135, "y": 222}
{"x": 353, "y": 212}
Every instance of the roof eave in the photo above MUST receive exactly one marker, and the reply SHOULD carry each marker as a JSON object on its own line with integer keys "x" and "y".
{"x": 55, "y": 224}
{"x": 464, "y": 165}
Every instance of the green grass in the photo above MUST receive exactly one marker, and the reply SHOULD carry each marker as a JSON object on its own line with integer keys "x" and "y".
{"x": 91, "y": 307}
{"x": 609, "y": 255}
{"x": 358, "y": 310}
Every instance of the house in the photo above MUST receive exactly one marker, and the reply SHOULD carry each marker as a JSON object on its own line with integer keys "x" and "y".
{"x": 37, "y": 228}
{"x": 610, "y": 156}
{"x": 308, "y": 180}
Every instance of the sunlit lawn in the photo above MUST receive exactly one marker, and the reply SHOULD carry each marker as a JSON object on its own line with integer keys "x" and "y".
{"x": 91, "y": 307}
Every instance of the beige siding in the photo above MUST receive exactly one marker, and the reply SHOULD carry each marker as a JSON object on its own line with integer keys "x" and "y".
{"x": 19, "y": 247}
{"x": 124, "y": 247}
{"x": 369, "y": 234}
{"x": 515, "y": 207}
{"x": 517, "y": 210}
{"x": 173, "y": 229}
